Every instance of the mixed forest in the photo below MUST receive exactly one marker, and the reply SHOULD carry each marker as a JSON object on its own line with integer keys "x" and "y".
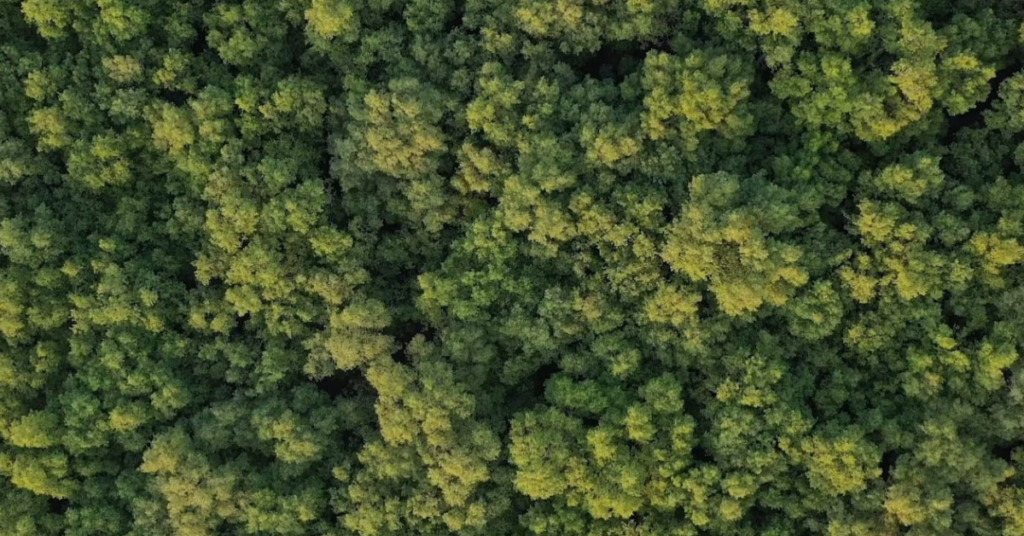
{"x": 511, "y": 267}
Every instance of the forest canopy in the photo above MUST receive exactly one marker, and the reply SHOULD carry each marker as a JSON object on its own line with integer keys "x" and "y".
{"x": 511, "y": 267}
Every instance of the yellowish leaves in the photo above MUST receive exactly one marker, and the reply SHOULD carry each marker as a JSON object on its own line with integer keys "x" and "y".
{"x": 128, "y": 417}
{"x": 355, "y": 339}
{"x": 777, "y": 21}
{"x": 622, "y": 359}
{"x": 173, "y": 70}
{"x": 542, "y": 450}
{"x": 50, "y": 125}
{"x": 751, "y": 386}
{"x": 329, "y": 242}
{"x": 51, "y": 17}
{"x": 457, "y": 471}
{"x": 12, "y": 309}
{"x": 603, "y": 445}
{"x": 582, "y": 397}
{"x": 639, "y": 424}
{"x": 41, "y": 85}
{"x": 293, "y": 440}
{"x": 910, "y": 504}
{"x": 704, "y": 91}
{"x": 671, "y": 305}
{"x": 991, "y": 360}
{"x": 392, "y": 381}
{"x": 479, "y": 169}
{"x": 36, "y": 430}
{"x": 551, "y": 18}
{"x": 872, "y": 104}
{"x": 367, "y": 314}
{"x": 663, "y": 394}
{"x": 121, "y": 19}
{"x": 44, "y": 473}
{"x": 17, "y": 162}
{"x": 296, "y": 101}
{"x": 231, "y": 223}
{"x": 878, "y": 223}
{"x": 859, "y": 22}
{"x": 1008, "y": 502}
{"x": 170, "y": 397}
{"x": 495, "y": 110}
{"x": 103, "y": 163}
{"x": 609, "y": 144}
{"x": 122, "y": 69}
{"x": 172, "y": 129}
{"x": 551, "y": 224}
{"x": 194, "y": 493}
{"x": 916, "y": 81}
{"x": 401, "y": 134}
{"x": 995, "y": 252}
{"x": 328, "y": 19}
{"x": 964, "y": 82}
{"x": 425, "y": 418}
{"x": 903, "y": 256}
{"x": 932, "y": 370}
{"x": 881, "y": 116}
{"x": 719, "y": 239}
{"x": 720, "y": 5}
{"x": 739, "y": 485}
{"x": 911, "y": 181}
{"x": 841, "y": 465}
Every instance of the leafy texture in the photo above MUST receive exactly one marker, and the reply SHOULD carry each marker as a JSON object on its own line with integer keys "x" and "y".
{"x": 511, "y": 267}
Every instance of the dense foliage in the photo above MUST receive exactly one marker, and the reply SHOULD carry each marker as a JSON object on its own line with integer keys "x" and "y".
{"x": 511, "y": 267}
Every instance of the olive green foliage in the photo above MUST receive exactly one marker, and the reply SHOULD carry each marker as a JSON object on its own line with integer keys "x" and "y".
{"x": 511, "y": 267}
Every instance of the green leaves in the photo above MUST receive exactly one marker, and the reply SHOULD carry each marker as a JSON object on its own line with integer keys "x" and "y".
{"x": 487, "y": 268}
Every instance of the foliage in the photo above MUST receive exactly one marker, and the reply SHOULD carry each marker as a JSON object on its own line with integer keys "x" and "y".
{"x": 510, "y": 267}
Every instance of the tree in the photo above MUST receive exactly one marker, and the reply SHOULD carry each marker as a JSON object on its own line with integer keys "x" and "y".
{"x": 491, "y": 267}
